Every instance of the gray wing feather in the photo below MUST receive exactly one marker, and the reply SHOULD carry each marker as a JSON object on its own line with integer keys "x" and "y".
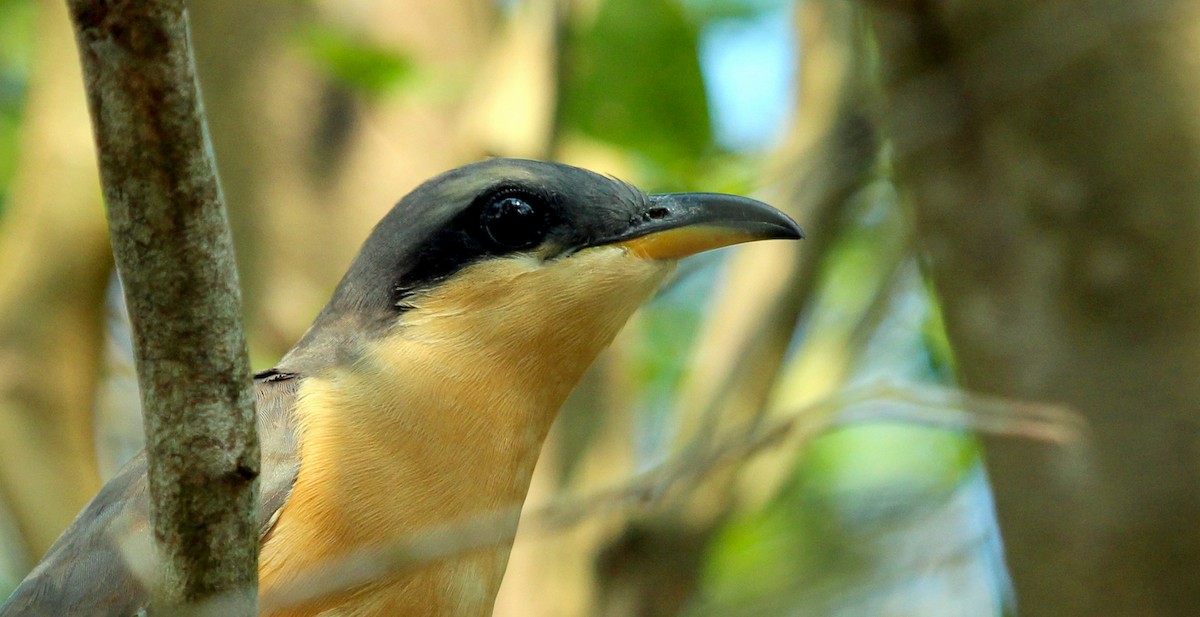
{"x": 84, "y": 572}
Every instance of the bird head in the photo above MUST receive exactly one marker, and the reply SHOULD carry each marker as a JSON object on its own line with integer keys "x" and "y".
{"x": 509, "y": 252}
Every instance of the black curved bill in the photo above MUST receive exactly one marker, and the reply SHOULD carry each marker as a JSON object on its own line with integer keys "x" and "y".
{"x": 676, "y": 225}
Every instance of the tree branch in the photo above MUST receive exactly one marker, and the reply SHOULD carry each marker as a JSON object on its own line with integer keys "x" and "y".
{"x": 174, "y": 252}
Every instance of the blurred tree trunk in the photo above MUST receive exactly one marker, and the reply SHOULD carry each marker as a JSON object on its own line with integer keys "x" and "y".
{"x": 239, "y": 50}
{"x": 55, "y": 263}
{"x": 1052, "y": 154}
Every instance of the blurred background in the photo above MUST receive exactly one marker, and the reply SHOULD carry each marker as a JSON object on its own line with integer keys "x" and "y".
{"x": 992, "y": 325}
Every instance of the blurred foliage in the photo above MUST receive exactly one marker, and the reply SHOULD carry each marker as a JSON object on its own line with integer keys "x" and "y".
{"x": 352, "y": 60}
{"x": 937, "y": 344}
{"x": 706, "y": 10}
{"x": 839, "y": 535}
{"x": 632, "y": 79}
{"x": 667, "y": 328}
{"x": 16, "y": 32}
{"x": 671, "y": 323}
{"x": 846, "y": 482}
{"x": 914, "y": 458}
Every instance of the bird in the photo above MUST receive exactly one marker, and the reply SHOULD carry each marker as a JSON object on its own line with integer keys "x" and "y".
{"x": 423, "y": 390}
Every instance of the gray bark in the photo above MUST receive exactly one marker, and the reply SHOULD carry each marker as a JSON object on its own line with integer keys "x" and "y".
{"x": 175, "y": 255}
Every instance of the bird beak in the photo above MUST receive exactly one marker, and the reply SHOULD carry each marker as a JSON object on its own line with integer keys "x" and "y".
{"x": 676, "y": 225}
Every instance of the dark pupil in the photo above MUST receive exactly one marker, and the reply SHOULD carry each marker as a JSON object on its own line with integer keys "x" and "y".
{"x": 512, "y": 223}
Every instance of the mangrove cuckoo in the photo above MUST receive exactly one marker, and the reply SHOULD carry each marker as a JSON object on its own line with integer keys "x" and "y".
{"x": 422, "y": 392}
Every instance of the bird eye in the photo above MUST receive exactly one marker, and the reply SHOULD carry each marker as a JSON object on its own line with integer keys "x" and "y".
{"x": 513, "y": 222}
